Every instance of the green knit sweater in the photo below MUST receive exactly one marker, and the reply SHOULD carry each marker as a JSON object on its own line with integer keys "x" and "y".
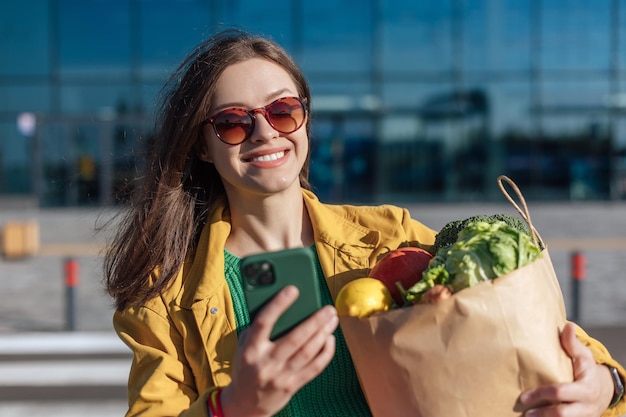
{"x": 336, "y": 391}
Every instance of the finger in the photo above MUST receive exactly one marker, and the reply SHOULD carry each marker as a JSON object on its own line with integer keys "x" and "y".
{"x": 582, "y": 360}
{"x": 570, "y": 392}
{"x": 323, "y": 321}
{"x": 316, "y": 366}
{"x": 555, "y": 410}
{"x": 271, "y": 312}
{"x": 308, "y": 349}
{"x": 581, "y": 356}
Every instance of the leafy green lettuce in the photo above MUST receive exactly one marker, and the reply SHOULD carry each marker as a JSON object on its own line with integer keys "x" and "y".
{"x": 482, "y": 251}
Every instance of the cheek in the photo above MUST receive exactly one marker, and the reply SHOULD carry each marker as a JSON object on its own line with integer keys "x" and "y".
{"x": 215, "y": 151}
{"x": 303, "y": 147}
{"x": 226, "y": 161}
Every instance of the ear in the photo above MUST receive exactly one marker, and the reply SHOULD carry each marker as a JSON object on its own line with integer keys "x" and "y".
{"x": 203, "y": 152}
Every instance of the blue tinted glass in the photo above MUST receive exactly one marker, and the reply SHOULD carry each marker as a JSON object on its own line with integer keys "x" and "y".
{"x": 94, "y": 36}
{"x": 166, "y": 40}
{"x": 24, "y": 35}
{"x": 620, "y": 143}
{"x": 574, "y": 95}
{"x": 417, "y": 36}
{"x": 27, "y": 97}
{"x": 337, "y": 36}
{"x": 578, "y": 39}
{"x": 339, "y": 94}
{"x": 15, "y": 166}
{"x": 102, "y": 99}
{"x": 273, "y": 19}
{"x": 621, "y": 32}
{"x": 496, "y": 35}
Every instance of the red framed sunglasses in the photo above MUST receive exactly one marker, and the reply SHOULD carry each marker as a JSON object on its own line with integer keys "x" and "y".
{"x": 235, "y": 125}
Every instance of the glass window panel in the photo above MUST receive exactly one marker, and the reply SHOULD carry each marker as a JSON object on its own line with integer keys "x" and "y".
{"x": 511, "y": 128}
{"x": 496, "y": 35}
{"x": 337, "y": 36}
{"x": 340, "y": 94}
{"x": 417, "y": 36}
{"x": 573, "y": 95}
{"x": 620, "y": 137}
{"x": 15, "y": 167}
{"x": 30, "y": 98}
{"x": 94, "y": 36}
{"x": 565, "y": 126}
{"x": 61, "y": 145}
{"x": 576, "y": 154}
{"x": 104, "y": 100}
{"x": 578, "y": 39}
{"x": 24, "y": 33}
{"x": 510, "y": 107}
{"x": 162, "y": 50}
{"x": 573, "y": 154}
{"x": 414, "y": 94}
{"x": 621, "y": 33}
{"x": 271, "y": 19}
{"x": 151, "y": 93}
{"x": 342, "y": 155}
{"x": 351, "y": 86}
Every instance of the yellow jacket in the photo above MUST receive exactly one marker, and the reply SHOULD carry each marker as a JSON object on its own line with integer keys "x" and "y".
{"x": 184, "y": 341}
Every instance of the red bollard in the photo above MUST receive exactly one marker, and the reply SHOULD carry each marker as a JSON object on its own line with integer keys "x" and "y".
{"x": 71, "y": 272}
{"x": 579, "y": 266}
{"x": 579, "y": 273}
{"x": 71, "y": 282}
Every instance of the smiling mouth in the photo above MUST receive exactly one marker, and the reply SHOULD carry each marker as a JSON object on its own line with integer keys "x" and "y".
{"x": 267, "y": 158}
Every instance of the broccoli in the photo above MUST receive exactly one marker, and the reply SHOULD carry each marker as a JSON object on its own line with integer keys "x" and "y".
{"x": 449, "y": 233}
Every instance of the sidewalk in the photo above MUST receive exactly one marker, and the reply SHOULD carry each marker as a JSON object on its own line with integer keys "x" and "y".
{"x": 63, "y": 374}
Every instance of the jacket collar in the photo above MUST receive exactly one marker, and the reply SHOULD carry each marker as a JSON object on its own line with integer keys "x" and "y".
{"x": 208, "y": 260}
{"x": 335, "y": 232}
{"x": 333, "y": 227}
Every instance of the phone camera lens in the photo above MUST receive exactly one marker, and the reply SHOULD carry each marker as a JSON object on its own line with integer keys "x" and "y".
{"x": 252, "y": 269}
{"x": 266, "y": 277}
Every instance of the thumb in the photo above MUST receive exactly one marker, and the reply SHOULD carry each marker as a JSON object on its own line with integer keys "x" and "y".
{"x": 578, "y": 352}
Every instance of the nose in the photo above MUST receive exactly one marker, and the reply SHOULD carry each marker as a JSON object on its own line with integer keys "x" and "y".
{"x": 263, "y": 130}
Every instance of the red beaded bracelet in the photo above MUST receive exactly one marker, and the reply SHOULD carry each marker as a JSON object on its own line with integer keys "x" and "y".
{"x": 214, "y": 403}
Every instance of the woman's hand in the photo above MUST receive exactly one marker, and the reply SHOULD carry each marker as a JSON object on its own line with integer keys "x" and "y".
{"x": 266, "y": 374}
{"x": 590, "y": 393}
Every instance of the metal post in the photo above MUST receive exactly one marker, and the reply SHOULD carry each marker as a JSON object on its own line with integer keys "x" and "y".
{"x": 579, "y": 271}
{"x": 71, "y": 282}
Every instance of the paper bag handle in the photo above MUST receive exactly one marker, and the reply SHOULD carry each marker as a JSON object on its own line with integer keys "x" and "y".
{"x": 524, "y": 212}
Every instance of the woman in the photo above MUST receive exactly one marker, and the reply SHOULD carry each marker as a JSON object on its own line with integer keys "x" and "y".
{"x": 228, "y": 178}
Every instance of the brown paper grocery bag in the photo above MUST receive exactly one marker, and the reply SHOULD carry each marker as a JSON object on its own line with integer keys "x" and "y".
{"x": 471, "y": 355}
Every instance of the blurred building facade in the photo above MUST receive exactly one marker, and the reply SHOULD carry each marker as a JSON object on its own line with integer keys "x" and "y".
{"x": 412, "y": 100}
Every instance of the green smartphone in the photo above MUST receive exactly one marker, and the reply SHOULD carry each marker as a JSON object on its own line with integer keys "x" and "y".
{"x": 265, "y": 274}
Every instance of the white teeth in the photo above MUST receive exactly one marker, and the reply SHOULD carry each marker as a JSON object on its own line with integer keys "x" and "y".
{"x": 270, "y": 157}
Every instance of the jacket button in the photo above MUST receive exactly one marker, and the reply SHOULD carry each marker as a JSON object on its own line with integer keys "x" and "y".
{"x": 213, "y": 310}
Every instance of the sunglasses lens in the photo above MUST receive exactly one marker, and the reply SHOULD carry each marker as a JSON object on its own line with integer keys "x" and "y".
{"x": 232, "y": 126}
{"x": 286, "y": 114}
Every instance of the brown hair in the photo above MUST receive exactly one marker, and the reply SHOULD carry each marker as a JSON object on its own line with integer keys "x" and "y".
{"x": 163, "y": 221}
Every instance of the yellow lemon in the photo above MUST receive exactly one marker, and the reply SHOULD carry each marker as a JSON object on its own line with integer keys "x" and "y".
{"x": 363, "y": 297}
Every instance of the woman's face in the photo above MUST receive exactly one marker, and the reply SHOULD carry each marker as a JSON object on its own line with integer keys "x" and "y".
{"x": 268, "y": 161}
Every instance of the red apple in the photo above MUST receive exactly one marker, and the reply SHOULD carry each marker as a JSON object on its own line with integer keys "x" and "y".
{"x": 404, "y": 265}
